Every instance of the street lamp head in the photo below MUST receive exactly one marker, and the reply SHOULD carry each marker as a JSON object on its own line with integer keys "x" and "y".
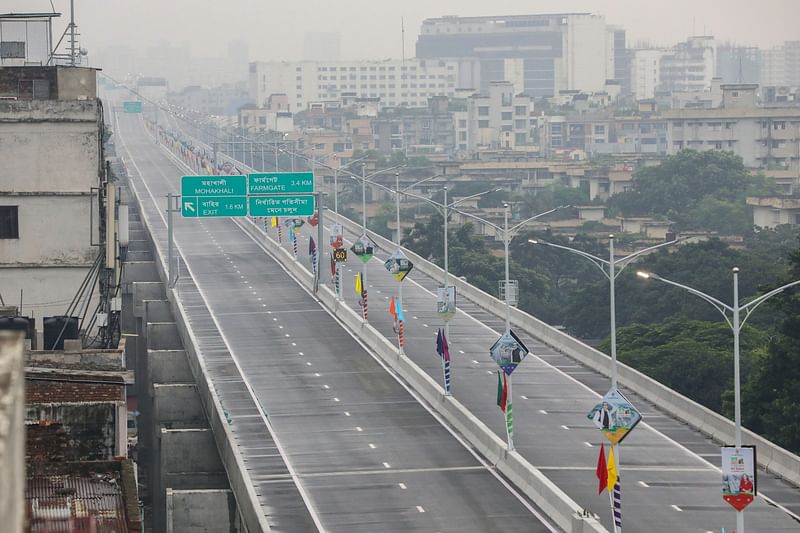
{"x": 533, "y": 241}
{"x": 735, "y": 270}
{"x": 644, "y": 275}
{"x": 610, "y": 235}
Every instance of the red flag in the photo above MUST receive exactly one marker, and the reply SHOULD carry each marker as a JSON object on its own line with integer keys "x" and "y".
{"x": 602, "y": 470}
{"x": 502, "y": 391}
{"x": 393, "y": 310}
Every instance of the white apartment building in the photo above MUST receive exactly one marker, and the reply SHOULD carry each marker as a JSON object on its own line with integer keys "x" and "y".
{"x": 764, "y": 137}
{"x": 645, "y": 72}
{"x": 780, "y": 66}
{"x": 498, "y": 120}
{"x": 51, "y": 127}
{"x": 393, "y": 81}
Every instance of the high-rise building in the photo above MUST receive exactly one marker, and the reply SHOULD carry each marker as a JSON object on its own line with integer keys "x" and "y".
{"x": 539, "y": 54}
{"x": 689, "y": 66}
{"x": 645, "y": 72}
{"x": 393, "y": 81}
{"x": 738, "y": 64}
{"x": 780, "y": 66}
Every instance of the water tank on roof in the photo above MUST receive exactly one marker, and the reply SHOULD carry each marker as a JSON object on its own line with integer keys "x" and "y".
{"x": 58, "y": 328}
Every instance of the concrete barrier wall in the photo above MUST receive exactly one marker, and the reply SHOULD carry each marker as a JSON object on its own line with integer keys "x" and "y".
{"x": 771, "y": 457}
{"x": 247, "y": 501}
{"x": 564, "y": 511}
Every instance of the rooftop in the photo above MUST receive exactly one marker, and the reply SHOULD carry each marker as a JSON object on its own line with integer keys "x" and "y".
{"x": 98, "y": 496}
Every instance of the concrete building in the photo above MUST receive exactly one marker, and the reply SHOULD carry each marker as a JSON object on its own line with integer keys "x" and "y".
{"x": 773, "y": 211}
{"x": 738, "y": 64}
{"x": 500, "y": 119}
{"x": 395, "y": 82}
{"x": 780, "y": 65}
{"x": 12, "y": 420}
{"x": 539, "y": 54}
{"x": 689, "y": 66}
{"x": 51, "y": 223}
{"x": 223, "y": 100}
{"x": 415, "y": 132}
{"x": 645, "y": 72}
{"x": 764, "y": 137}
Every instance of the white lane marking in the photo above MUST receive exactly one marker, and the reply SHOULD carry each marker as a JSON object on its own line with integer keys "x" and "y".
{"x": 420, "y": 509}
{"x": 589, "y": 444}
{"x": 346, "y": 413}
{"x": 308, "y": 363}
{"x": 523, "y": 397}
{"x": 371, "y": 445}
{"x": 294, "y": 344}
{"x": 387, "y": 465}
{"x": 326, "y": 387}
{"x": 564, "y": 427}
{"x": 290, "y": 468}
{"x": 426, "y": 325}
{"x": 475, "y": 362}
{"x": 643, "y": 484}
{"x": 542, "y": 411}
{"x": 317, "y": 374}
{"x": 287, "y": 335}
{"x": 402, "y": 486}
{"x": 358, "y": 428}
{"x": 300, "y": 353}
{"x": 461, "y": 351}
{"x": 676, "y": 508}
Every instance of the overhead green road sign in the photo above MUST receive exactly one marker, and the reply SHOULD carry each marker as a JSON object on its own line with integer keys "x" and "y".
{"x": 213, "y": 206}
{"x": 281, "y": 206}
{"x": 280, "y": 182}
{"x": 214, "y": 186}
{"x": 132, "y": 106}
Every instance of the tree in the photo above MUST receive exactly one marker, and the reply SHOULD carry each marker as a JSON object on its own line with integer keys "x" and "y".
{"x": 772, "y": 391}
{"x": 704, "y": 190}
{"x": 692, "y": 357}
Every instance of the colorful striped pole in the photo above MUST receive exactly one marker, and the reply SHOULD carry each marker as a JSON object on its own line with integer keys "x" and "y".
{"x": 280, "y": 233}
{"x": 366, "y": 314}
{"x": 400, "y": 335}
{"x": 446, "y": 370}
{"x": 294, "y": 243}
{"x": 509, "y": 417}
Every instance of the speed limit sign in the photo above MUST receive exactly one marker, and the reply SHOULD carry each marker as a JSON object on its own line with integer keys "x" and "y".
{"x": 340, "y": 255}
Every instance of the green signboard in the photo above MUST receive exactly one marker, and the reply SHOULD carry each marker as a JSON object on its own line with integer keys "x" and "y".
{"x": 280, "y": 182}
{"x": 132, "y": 106}
{"x": 214, "y": 186}
{"x": 214, "y": 196}
{"x": 214, "y": 206}
{"x": 300, "y": 205}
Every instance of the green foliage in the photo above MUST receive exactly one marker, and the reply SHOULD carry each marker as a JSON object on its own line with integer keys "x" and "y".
{"x": 697, "y": 190}
{"x": 705, "y": 266}
{"x": 693, "y": 357}
{"x": 551, "y": 197}
{"x": 771, "y": 396}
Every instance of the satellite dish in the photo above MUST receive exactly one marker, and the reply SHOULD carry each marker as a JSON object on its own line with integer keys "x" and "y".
{"x": 84, "y": 52}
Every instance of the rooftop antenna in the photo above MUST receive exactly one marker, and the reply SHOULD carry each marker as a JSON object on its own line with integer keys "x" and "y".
{"x": 72, "y": 28}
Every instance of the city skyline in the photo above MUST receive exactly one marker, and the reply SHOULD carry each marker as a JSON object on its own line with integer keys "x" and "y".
{"x": 269, "y": 38}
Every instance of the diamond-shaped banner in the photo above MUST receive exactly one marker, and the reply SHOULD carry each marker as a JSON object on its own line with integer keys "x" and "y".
{"x": 398, "y": 265}
{"x": 508, "y": 351}
{"x": 364, "y": 248}
{"x": 614, "y": 416}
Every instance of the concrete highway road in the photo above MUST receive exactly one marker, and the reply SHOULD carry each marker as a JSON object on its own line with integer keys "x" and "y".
{"x": 670, "y": 480}
{"x": 339, "y": 443}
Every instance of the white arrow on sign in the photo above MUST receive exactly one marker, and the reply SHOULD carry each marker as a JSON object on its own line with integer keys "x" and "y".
{"x": 189, "y": 206}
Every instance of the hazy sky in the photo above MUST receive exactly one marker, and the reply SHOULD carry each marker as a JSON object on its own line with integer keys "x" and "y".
{"x": 371, "y": 28}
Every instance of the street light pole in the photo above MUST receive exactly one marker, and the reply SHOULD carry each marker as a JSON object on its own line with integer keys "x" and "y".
{"x": 446, "y": 264}
{"x": 612, "y": 269}
{"x": 505, "y": 247}
{"x": 736, "y": 325}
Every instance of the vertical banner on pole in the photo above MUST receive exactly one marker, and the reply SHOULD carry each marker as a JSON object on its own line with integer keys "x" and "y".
{"x": 508, "y": 352}
{"x": 444, "y": 352}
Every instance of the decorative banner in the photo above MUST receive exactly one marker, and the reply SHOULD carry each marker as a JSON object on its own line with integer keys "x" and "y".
{"x": 312, "y": 254}
{"x": 446, "y": 302}
{"x": 508, "y": 351}
{"x": 364, "y": 248}
{"x": 398, "y": 265}
{"x": 739, "y": 486}
{"x": 614, "y": 416}
{"x": 274, "y": 222}
{"x": 336, "y": 236}
{"x": 313, "y": 220}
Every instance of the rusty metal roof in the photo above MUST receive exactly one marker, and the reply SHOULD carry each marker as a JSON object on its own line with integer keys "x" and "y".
{"x": 84, "y": 500}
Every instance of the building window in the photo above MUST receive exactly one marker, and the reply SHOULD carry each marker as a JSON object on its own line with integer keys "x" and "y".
{"x": 483, "y": 123}
{"x": 506, "y": 115}
{"x": 521, "y": 110}
{"x": 483, "y": 111}
{"x": 462, "y": 123}
{"x": 9, "y": 222}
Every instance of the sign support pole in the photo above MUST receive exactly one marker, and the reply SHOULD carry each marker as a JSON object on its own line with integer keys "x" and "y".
{"x": 510, "y": 416}
{"x": 318, "y": 273}
{"x": 170, "y": 263}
